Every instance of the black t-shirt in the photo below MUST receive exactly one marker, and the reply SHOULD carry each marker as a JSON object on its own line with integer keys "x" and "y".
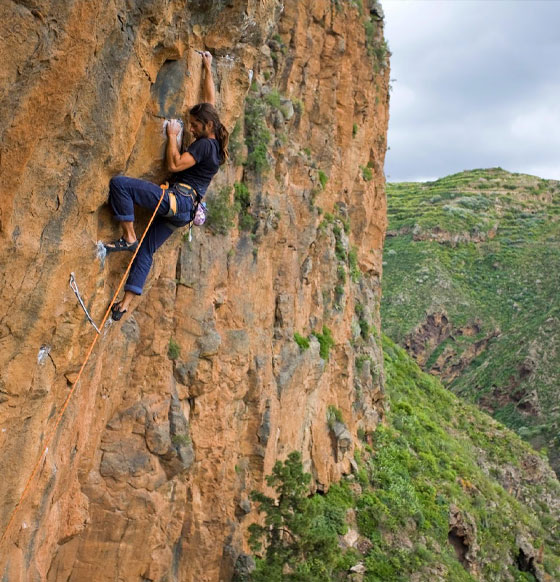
{"x": 206, "y": 152}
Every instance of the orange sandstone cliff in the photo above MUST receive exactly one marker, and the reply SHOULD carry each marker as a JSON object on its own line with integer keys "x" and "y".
{"x": 186, "y": 404}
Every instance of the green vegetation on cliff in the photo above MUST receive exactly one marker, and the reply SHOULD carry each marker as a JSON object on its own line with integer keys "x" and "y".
{"x": 441, "y": 492}
{"x": 439, "y": 457}
{"x": 472, "y": 265}
{"x": 301, "y": 532}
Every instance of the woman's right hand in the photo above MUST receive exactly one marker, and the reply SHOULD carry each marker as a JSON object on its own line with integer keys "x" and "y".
{"x": 207, "y": 60}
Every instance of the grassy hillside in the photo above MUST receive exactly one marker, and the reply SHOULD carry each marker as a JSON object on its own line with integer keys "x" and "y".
{"x": 471, "y": 288}
{"x": 440, "y": 492}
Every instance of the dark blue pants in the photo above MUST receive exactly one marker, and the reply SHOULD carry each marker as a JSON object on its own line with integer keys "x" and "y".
{"x": 124, "y": 193}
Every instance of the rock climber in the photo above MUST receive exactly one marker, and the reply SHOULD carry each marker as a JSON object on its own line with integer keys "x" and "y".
{"x": 192, "y": 172}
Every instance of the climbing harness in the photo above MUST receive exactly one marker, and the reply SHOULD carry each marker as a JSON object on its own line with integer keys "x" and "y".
{"x": 172, "y": 204}
{"x": 51, "y": 433}
{"x": 183, "y": 190}
{"x": 74, "y": 287}
{"x": 199, "y": 208}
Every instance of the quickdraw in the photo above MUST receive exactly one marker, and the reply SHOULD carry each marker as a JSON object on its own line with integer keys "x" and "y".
{"x": 74, "y": 287}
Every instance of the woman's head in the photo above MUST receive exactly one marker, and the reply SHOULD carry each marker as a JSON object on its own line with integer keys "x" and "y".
{"x": 205, "y": 121}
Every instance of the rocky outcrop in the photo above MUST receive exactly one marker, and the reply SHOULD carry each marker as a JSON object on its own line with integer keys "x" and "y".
{"x": 433, "y": 345}
{"x": 438, "y": 235}
{"x": 427, "y": 336}
{"x": 462, "y": 537}
{"x": 185, "y": 405}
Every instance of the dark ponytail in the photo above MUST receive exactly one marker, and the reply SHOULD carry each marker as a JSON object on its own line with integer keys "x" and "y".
{"x": 206, "y": 113}
{"x": 222, "y": 135}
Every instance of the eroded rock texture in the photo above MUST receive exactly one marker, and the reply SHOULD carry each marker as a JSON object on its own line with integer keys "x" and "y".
{"x": 149, "y": 473}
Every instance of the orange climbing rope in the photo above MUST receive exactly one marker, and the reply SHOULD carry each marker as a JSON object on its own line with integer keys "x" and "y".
{"x": 74, "y": 385}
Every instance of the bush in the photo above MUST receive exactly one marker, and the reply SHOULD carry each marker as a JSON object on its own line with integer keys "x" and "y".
{"x": 242, "y": 198}
{"x": 333, "y": 415}
{"x": 235, "y": 146}
{"x": 273, "y": 99}
{"x": 301, "y": 341}
{"x": 221, "y": 212}
{"x": 355, "y": 272}
{"x": 345, "y": 224}
{"x": 361, "y": 360}
{"x": 173, "y": 351}
{"x": 326, "y": 341}
{"x": 370, "y": 29}
{"x": 339, "y": 249}
{"x": 341, "y": 274}
{"x": 257, "y": 135}
{"x": 359, "y": 310}
{"x": 364, "y": 329}
{"x": 299, "y": 106}
{"x": 181, "y": 440}
{"x": 367, "y": 174}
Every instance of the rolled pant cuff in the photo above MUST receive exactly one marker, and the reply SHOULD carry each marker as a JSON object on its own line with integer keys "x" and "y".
{"x": 124, "y": 217}
{"x": 133, "y": 288}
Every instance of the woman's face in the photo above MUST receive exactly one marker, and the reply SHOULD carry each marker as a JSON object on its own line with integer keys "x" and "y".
{"x": 198, "y": 129}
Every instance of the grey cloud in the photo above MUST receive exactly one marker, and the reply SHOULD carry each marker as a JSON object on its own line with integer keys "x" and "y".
{"x": 470, "y": 77}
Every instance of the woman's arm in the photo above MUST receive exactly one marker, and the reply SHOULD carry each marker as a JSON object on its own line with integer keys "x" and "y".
{"x": 208, "y": 90}
{"x": 176, "y": 162}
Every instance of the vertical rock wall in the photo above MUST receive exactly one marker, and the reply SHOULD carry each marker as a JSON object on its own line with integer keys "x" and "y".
{"x": 187, "y": 403}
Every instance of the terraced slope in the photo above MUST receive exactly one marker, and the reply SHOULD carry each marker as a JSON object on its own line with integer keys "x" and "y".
{"x": 471, "y": 289}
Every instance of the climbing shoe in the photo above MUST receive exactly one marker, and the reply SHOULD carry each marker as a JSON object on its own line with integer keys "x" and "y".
{"x": 120, "y": 245}
{"x": 116, "y": 313}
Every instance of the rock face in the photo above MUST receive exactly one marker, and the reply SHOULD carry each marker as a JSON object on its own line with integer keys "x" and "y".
{"x": 185, "y": 405}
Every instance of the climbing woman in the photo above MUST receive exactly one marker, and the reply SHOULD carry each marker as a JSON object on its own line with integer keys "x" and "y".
{"x": 192, "y": 172}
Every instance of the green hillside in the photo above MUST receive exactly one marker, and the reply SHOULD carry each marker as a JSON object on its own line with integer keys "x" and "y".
{"x": 471, "y": 288}
{"x": 440, "y": 492}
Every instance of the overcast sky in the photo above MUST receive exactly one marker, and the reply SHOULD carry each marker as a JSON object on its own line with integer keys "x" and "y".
{"x": 476, "y": 84}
